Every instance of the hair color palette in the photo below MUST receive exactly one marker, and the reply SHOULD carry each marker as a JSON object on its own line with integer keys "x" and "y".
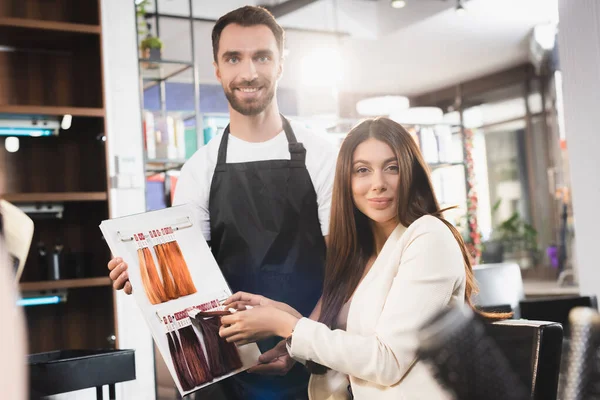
{"x": 179, "y": 288}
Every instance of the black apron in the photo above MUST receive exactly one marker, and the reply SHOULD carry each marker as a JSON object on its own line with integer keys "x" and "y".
{"x": 267, "y": 239}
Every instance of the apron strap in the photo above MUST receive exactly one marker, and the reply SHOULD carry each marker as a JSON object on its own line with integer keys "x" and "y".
{"x": 297, "y": 150}
{"x": 222, "y": 156}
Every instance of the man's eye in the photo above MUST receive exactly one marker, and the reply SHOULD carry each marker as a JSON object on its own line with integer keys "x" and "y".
{"x": 232, "y": 60}
{"x": 264, "y": 59}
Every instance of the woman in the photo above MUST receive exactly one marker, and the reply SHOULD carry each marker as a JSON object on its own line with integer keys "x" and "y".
{"x": 392, "y": 263}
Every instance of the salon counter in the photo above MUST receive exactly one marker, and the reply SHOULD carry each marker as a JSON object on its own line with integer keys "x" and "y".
{"x": 547, "y": 288}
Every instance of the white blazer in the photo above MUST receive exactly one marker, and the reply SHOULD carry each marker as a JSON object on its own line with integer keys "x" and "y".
{"x": 419, "y": 271}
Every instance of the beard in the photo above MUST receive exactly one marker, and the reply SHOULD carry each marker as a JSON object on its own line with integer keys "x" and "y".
{"x": 253, "y": 106}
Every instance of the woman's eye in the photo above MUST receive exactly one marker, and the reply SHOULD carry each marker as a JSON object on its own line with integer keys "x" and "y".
{"x": 362, "y": 170}
{"x": 394, "y": 168}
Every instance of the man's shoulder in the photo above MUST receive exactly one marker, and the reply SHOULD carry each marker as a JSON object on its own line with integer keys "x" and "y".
{"x": 204, "y": 158}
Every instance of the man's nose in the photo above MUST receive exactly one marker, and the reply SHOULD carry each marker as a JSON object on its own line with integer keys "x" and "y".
{"x": 249, "y": 72}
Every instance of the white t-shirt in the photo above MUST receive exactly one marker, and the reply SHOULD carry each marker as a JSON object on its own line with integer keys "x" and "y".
{"x": 193, "y": 185}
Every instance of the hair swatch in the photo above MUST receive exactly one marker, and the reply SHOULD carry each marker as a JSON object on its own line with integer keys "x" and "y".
{"x": 150, "y": 279}
{"x": 176, "y": 278}
{"x": 194, "y": 355}
{"x": 223, "y": 357}
{"x": 171, "y": 289}
{"x": 179, "y": 267}
{"x": 183, "y": 374}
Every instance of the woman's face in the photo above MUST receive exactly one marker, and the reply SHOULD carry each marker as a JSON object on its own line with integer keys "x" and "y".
{"x": 375, "y": 180}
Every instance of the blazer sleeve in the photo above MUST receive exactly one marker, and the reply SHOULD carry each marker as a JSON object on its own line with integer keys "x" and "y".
{"x": 430, "y": 271}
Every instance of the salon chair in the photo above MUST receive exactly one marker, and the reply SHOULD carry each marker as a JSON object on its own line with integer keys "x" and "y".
{"x": 555, "y": 309}
{"x": 508, "y": 360}
{"x": 500, "y": 287}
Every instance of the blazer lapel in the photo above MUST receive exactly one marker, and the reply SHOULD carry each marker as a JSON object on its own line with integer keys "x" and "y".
{"x": 384, "y": 257}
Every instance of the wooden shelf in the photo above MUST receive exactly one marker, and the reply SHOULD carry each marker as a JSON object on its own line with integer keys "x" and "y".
{"x": 49, "y": 25}
{"x": 51, "y": 110}
{"x": 65, "y": 284}
{"x": 66, "y": 196}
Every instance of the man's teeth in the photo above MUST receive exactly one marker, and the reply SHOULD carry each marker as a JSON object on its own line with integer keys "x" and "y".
{"x": 248, "y": 90}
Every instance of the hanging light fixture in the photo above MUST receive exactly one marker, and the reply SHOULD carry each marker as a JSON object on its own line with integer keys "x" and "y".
{"x": 398, "y": 3}
{"x": 419, "y": 116}
{"x": 460, "y": 9}
{"x": 382, "y": 105}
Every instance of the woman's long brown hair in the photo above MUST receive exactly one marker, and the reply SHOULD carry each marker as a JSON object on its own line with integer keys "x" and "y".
{"x": 351, "y": 240}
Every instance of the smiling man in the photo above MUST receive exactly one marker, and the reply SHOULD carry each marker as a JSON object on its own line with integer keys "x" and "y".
{"x": 262, "y": 193}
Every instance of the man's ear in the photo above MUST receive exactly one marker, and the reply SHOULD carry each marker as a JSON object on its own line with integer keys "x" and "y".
{"x": 280, "y": 69}
{"x": 217, "y": 72}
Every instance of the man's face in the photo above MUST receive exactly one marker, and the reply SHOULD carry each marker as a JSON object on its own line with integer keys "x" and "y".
{"x": 248, "y": 67}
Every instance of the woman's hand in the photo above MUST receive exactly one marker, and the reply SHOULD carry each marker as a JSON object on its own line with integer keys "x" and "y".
{"x": 240, "y": 300}
{"x": 257, "y": 323}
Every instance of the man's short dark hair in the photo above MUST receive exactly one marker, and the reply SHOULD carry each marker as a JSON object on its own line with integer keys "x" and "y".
{"x": 248, "y": 16}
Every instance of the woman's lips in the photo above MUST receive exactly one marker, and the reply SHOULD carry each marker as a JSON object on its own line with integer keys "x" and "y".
{"x": 380, "y": 202}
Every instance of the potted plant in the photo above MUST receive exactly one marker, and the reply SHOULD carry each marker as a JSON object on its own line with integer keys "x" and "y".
{"x": 518, "y": 238}
{"x": 151, "y": 48}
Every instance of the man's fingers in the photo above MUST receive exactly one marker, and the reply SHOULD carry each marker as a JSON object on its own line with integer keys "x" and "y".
{"x": 277, "y": 367}
{"x": 119, "y": 283}
{"x": 112, "y": 264}
{"x": 128, "y": 289}
{"x": 270, "y": 355}
{"x": 118, "y": 271}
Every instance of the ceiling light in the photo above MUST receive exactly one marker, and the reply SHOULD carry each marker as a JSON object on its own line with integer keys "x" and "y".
{"x": 11, "y": 144}
{"x": 419, "y": 116}
{"x": 66, "y": 121}
{"x": 383, "y": 105}
{"x": 460, "y": 9}
{"x": 398, "y": 3}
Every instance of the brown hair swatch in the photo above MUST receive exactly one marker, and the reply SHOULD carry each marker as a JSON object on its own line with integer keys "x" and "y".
{"x": 183, "y": 374}
{"x": 223, "y": 357}
{"x": 194, "y": 355}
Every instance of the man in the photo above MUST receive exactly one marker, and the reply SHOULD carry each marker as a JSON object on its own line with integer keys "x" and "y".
{"x": 262, "y": 193}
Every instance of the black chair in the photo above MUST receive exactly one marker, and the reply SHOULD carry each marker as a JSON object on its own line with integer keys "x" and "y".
{"x": 533, "y": 350}
{"x": 555, "y": 309}
{"x": 582, "y": 361}
{"x": 500, "y": 308}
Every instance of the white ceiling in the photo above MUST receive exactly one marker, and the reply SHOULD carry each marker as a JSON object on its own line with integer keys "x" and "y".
{"x": 421, "y": 47}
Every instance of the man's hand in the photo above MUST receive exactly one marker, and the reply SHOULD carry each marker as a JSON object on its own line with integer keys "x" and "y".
{"x": 118, "y": 274}
{"x": 276, "y": 361}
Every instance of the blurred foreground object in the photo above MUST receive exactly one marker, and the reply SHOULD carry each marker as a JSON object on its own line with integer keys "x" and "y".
{"x": 18, "y": 232}
{"x": 13, "y": 379}
{"x": 583, "y": 369}
{"x": 466, "y": 360}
